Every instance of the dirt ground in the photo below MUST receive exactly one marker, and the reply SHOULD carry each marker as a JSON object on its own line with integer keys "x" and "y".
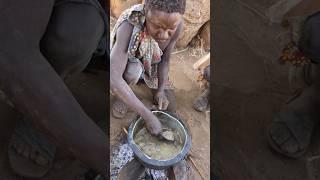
{"x": 186, "y": 90}
{"x": 249, "y": 87}
{"x": 90, "y": 91}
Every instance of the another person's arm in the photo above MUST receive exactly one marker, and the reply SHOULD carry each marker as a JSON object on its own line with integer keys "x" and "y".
{"x": 118, "y": 62}
{"x": 38, "y": 92}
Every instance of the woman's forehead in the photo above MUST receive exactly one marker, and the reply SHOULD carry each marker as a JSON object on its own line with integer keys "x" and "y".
{"x": 162, "y": 17}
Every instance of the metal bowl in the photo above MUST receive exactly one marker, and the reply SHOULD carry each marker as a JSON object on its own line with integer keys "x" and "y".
{"x": 171, "y": 122}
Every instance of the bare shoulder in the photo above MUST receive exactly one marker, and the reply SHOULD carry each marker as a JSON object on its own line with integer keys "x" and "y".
{"x": 119, "y": 52}
{"x": 123, "y": 35}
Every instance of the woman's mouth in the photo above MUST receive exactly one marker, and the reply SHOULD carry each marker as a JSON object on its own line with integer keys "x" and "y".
{"x": 161, "y": 40}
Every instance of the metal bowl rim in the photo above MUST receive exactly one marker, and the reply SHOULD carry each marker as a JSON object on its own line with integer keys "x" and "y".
{"x": 159, "y": 163}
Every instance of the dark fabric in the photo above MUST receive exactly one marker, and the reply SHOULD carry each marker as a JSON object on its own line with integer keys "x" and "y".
{"x": 206, "y": 73}
{"x": 103, "y": 47}
{"x": 310, "y": 38}
{"x": 104, "y": 4}
{"x": 304, "y": 8}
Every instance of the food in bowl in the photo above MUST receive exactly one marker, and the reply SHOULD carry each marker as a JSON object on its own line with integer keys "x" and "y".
{"x": 156, "y": 148}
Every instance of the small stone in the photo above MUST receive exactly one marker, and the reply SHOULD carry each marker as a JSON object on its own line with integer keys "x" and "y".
{"x": 168, "y": 135}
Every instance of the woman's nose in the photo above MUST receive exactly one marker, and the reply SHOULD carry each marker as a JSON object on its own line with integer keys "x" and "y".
{"x": 163, "y": 35}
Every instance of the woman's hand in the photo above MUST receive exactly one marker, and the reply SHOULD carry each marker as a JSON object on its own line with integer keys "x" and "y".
{"x": 153, "y": 124}
{"x": 162, "y": 100}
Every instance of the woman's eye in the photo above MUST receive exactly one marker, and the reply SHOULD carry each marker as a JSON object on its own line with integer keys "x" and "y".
{"x": 173, "y": 28}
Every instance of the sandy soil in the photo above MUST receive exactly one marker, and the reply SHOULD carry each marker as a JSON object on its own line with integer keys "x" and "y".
{"x": 186, "y": 90}
{"x": 90, "y": 91}
{"x": 249, "y": 87}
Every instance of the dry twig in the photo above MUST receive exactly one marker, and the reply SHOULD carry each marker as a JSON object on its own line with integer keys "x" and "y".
{"x": 125, "y": 131}
{"x": 194, "y": 164}
{"x": 177, "y": 52}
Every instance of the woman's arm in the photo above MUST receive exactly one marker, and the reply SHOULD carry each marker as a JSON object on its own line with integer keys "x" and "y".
{"x": 163, "y": 69}
{"x": 118, "y": 62}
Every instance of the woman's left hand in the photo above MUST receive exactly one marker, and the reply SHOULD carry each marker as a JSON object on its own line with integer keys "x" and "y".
{"x": 161, "y": 99}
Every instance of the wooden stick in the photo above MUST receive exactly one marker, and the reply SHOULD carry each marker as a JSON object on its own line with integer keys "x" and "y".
{"x": 180, "y": 51}
{"x": 202, "y": 62}
{"x": 125, "y": 131}
{"x": 194, "y": 164}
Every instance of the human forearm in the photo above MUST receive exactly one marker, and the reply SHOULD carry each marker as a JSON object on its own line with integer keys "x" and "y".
{"x": 163, "y": 71}
{"x": 123, "y": 91}
{"x": 40, "y": 94}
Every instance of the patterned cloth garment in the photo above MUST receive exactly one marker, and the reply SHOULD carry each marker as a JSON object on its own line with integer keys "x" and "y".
{"x": 142, "y": 47}
{"x": 122, "y": 155}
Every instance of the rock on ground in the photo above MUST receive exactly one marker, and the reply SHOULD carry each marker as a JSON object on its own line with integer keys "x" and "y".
{"x": 196, "y": 15}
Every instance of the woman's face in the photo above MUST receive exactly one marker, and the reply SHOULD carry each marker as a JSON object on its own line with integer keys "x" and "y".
{"x": 161, "y": 26}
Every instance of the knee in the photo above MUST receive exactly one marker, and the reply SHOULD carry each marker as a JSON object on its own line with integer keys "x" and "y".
{"x": 310, "y": 38}
{"x": 72, "y": 36}
{"x": 132, "y": 73}
{"x": 313, "y": 19}
{"x": 312, "y": 27}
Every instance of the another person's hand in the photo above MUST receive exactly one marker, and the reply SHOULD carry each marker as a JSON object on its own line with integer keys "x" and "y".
{"x": 162, "y": 100}
{"x": 153, "y": 124}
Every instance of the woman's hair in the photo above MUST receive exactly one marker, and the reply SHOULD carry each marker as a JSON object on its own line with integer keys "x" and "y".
{"x": 169, "y": 6}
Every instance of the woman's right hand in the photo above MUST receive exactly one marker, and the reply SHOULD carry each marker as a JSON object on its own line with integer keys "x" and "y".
{"x": 153, "y": 124}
